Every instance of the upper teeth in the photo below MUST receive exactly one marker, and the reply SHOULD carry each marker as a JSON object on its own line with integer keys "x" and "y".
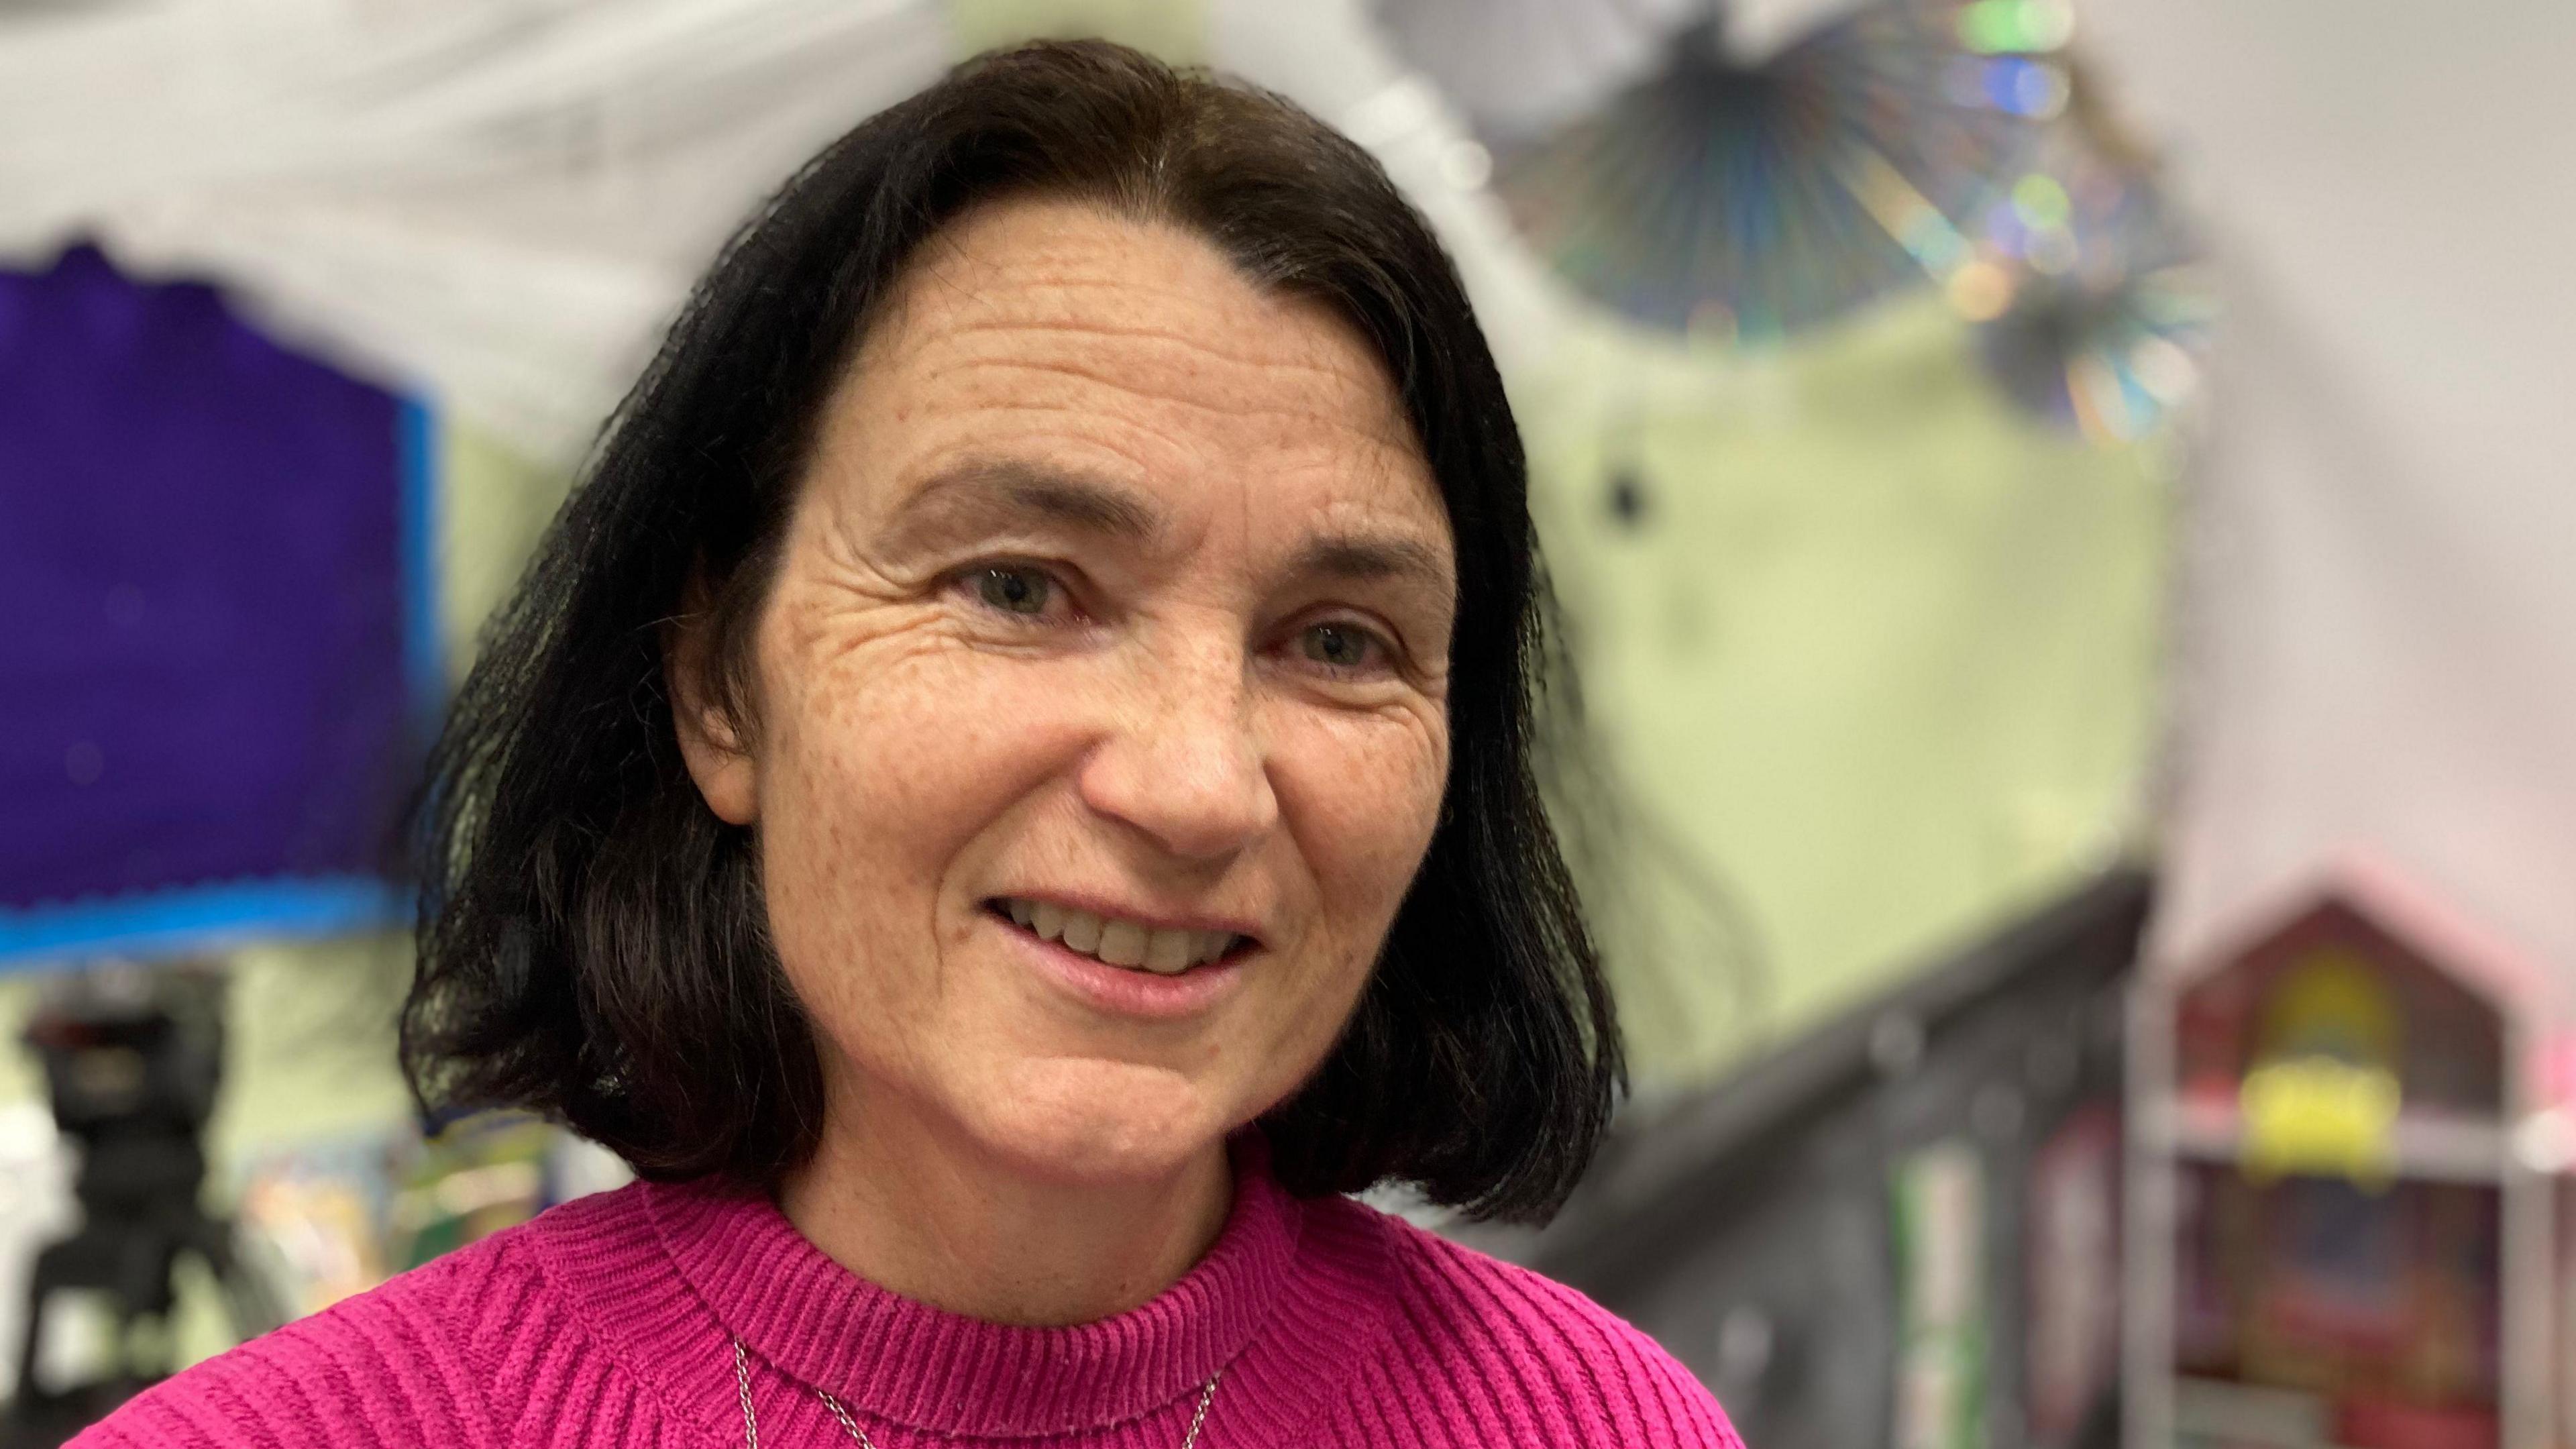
{"x": 1121, "y": 943}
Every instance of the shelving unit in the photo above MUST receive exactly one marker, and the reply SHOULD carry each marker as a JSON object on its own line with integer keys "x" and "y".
{"x": 1749, "y": 1226}
{"x": 2427, "y": 1146}
{"x": 2362, "y": 1254}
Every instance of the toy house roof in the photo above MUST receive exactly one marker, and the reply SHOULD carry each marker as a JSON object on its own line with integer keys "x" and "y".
{"x": 2516, "y": 982}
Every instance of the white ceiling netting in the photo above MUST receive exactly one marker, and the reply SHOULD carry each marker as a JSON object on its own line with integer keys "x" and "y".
{"x": 499, "y": 203}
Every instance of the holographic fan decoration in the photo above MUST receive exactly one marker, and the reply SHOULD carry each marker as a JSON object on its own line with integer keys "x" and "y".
{"x": 2094, "y": 303}
{"x": 1757, "y": 200}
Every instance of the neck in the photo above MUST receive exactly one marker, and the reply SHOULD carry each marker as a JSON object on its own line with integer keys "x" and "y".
{"x": 919, "y": 1211}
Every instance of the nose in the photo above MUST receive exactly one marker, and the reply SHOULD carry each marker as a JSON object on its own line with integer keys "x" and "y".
{"x": 1181, "y": 760}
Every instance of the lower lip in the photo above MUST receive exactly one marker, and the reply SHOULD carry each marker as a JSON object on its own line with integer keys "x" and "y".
{"x": 1122, "y": 992}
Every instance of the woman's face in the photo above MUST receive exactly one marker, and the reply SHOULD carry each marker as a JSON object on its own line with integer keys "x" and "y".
{"x": 1115, "y": 609}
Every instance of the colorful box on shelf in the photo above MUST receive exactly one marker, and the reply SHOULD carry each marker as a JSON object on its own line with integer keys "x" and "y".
{"x": 2353, "y": 1119}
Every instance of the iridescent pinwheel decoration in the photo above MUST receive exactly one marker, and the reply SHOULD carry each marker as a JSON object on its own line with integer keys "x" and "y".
{"x": 1758, "y": 199}
{"x": 2095, "y": 306}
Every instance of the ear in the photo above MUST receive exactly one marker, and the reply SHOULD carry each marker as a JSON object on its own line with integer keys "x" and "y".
{"x": 712, "y": 742}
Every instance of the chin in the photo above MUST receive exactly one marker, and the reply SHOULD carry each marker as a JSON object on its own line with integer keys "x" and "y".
{"x": 1099, "y": 1124}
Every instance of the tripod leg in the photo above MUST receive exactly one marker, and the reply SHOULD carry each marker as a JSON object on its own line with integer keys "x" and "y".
{"x": 248, "y": 1298}
{"x": 42, "y": 1283}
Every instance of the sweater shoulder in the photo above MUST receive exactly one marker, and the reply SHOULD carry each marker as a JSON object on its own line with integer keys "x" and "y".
{"x": 392, "y": 1365}
{"x": 421, "y": 1359}
{"x": 1518, "y": 1358}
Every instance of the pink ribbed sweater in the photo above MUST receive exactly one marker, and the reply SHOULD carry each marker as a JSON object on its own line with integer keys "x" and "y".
{"x": 610, "y": 1321}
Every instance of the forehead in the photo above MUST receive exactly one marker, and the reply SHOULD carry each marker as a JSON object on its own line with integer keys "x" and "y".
{"x": 1131, "y": 351}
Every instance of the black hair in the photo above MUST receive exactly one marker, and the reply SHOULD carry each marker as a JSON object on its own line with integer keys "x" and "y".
{"x": 593, "y": 942}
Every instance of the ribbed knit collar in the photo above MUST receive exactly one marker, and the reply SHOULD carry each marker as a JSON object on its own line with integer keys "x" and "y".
{"x": 905, "y": 1361}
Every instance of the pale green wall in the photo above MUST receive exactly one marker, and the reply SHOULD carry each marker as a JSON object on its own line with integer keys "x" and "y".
{"x": 1884, "y": 657}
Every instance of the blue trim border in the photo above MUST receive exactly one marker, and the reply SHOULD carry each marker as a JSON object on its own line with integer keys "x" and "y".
{"x": 196, "y": 918}
{"x": 424, "y": 643}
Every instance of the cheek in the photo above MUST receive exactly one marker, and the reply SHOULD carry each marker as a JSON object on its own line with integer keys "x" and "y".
{"x": 880, "y": 769}
{"x": 1361, "y": 797}
{"x": 1362, "y": 794}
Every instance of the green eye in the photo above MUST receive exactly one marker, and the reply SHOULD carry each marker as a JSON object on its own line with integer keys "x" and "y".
{"x": 1338, "y": 645}
{"x": 1015, "y": 591}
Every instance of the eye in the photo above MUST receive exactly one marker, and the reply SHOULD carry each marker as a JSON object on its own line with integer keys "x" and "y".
{"x": 1342, "y": 647}
{"x": 1014, "y": 589}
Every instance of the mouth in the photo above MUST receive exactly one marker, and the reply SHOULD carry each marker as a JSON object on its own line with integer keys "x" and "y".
{"x": 1112, "y": 941}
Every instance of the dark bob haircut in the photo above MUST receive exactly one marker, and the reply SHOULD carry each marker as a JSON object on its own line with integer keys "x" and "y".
{"x": 593, "y": 940}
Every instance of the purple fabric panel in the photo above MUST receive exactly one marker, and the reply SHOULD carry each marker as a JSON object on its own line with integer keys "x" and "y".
{"x": 201, "y": 670}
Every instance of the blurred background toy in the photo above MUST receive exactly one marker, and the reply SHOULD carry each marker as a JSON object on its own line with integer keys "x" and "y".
{"x": 2349, "y": 1128}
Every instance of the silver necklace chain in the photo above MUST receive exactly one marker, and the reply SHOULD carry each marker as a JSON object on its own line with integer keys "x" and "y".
{"x": 751, "y": 1420}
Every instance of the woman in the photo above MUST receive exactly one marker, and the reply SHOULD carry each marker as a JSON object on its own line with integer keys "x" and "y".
{"x": 1005, "y": 793}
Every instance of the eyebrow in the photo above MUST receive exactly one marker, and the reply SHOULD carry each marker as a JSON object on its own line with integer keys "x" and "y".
{"x": 1370, "y": 557}
{"x": 992, "y": 491}
{"x": 983, "y": 492}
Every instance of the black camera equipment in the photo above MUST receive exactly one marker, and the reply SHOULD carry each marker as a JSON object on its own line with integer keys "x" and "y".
{"x": 131, "y": 1059}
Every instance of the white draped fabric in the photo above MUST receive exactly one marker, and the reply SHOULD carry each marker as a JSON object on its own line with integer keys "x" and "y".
{"x": 2379, "y": 629}
{"x": 500, "y": 202}
{"x": 1523, "y": 67}
{"x": 493, "y": 201}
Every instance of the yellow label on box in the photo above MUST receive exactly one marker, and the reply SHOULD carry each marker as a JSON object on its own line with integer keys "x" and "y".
{"x": 2316, "y": 1114}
